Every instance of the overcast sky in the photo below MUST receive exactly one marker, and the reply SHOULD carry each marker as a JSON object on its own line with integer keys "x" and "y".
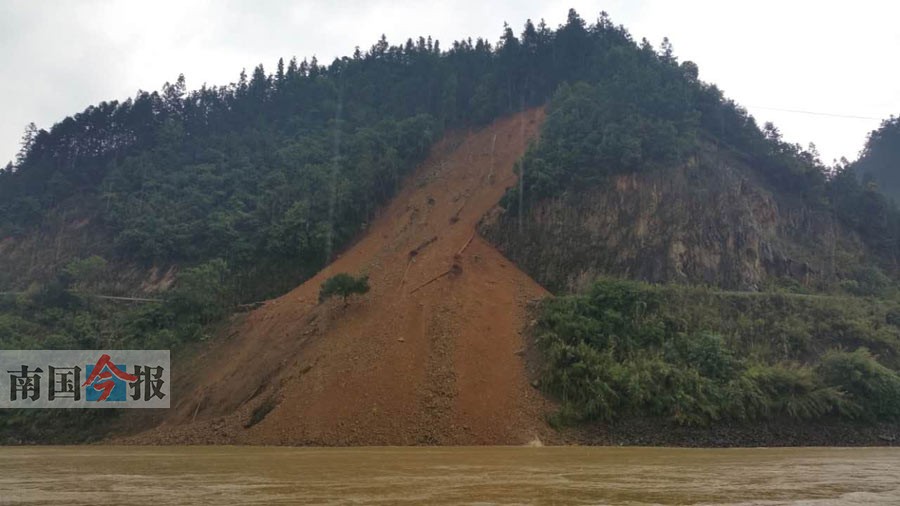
{"x": 827, "y": 57}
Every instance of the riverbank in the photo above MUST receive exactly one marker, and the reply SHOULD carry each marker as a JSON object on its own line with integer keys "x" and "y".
{"x": 648, "y": 432}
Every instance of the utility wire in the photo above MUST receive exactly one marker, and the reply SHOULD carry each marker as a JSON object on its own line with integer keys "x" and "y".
{"x": 797, "y": 111}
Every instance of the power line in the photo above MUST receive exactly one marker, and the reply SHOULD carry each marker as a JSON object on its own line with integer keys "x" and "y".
{"x": 832, "y": 115}
{"x": 105, "y": 297}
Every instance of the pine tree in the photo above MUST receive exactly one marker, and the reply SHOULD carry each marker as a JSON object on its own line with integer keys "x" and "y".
{"x": 279, "y": 73}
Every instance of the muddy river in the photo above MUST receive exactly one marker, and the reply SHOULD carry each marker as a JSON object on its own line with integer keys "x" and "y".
{"x": 486, "y": 475}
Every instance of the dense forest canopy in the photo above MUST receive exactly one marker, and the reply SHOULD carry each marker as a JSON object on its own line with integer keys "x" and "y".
{"x": 284, "y": 167}
{"x": 879, "y": 161}
{"x": 276, "y": 172}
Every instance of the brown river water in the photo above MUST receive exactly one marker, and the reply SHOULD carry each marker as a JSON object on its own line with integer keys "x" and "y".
{"x": 422, "y": 475}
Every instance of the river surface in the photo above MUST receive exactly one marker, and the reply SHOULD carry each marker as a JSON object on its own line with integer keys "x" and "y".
{"x": 484, "y": 475}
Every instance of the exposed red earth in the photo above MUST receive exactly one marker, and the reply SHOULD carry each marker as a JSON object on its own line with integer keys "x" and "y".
{"x": 433, "y": 354}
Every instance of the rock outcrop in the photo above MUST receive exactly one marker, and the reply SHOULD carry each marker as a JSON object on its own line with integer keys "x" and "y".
{"x": 711, "y": 221}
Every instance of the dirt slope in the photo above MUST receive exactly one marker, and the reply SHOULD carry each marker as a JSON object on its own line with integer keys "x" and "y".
{"x": 405, "y": 364}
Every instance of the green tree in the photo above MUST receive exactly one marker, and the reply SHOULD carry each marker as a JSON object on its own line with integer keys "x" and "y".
{"x": 83, "y": 272}
{"x": 880, "y": 158}
{"x": 201, "y": 294}
{"x": 343, "y": 285}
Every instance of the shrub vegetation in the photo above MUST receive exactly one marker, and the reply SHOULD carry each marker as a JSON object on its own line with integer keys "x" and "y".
{"x": 695, "y": 356}
{"x": 343, "y": 285}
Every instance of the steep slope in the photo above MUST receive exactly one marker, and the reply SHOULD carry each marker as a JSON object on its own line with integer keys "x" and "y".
{"x": 420, "y": 359}
{"x": 712, "y": 220}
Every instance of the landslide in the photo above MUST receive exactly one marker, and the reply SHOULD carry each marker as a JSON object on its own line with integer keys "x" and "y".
{"x": 433, "y": 354}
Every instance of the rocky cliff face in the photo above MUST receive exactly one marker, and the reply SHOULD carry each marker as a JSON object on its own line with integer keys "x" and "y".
{"x": 711, "y": 221}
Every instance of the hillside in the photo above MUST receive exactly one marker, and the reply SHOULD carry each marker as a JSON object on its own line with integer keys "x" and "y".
{"x": 653, "y": 197}
{"x": 467, "y": 181}
{"x": 265, "y": 178}
{"x": 411, "y": 362}
{"x": 447, "y": 346}
{"x": 711, "y": 220}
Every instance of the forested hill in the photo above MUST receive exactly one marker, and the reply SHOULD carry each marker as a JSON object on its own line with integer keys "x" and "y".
{"x": 283, "y": 168}
{"x": 235, "y": 193}
{"x": 880, "y": 160}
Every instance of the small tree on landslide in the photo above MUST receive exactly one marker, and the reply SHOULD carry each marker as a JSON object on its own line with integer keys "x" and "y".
{"x": 343, "y": 285}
